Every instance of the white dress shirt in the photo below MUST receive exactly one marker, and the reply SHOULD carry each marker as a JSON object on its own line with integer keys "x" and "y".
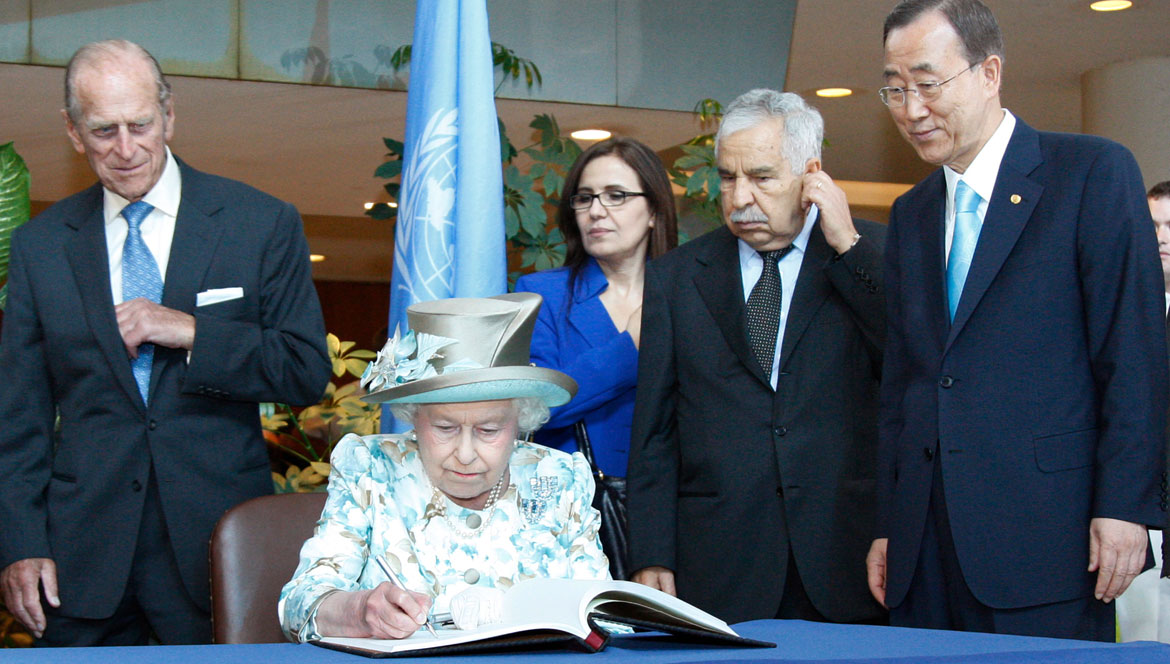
{"x": 980, "y": 175}
{"x": 158, "y": 228}
{"x": 751, "y": 267}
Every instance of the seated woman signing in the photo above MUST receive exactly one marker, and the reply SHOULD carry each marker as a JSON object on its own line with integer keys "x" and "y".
{"x": 459, "y": 502}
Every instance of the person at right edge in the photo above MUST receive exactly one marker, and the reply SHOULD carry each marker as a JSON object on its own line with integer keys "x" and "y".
{"x": 1159, "y": 199}
{"x": 1024, "y": 389}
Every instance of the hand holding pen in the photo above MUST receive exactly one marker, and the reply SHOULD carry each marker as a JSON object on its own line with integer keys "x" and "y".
{"x": 397, "y": 581}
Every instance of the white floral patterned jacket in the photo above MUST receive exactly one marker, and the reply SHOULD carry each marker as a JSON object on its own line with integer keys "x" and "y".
{"x": 381, "y": 503}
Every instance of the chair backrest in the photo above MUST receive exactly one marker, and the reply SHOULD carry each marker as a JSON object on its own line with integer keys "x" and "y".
{"x": 254, "y": 552}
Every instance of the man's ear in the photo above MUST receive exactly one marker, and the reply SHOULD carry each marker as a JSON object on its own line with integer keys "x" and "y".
{"x": 71, "y": 130}
{"x": 990, "y": 73}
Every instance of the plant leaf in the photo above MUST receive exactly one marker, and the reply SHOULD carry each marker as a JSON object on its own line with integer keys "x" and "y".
{"x": 389, "y": 169}
{"x": 395, "y": 147}
{"x": 14, "y": 206}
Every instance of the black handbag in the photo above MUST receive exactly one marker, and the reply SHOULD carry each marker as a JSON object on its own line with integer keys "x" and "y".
{"x": 610, "y": 501}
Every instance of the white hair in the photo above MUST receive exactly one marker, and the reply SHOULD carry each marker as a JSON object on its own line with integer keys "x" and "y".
{"x": 804, "y": 129}
{"x": 531, "y": 413}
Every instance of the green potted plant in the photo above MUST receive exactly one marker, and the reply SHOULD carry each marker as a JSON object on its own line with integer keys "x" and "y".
{"x": 301, "y": 440}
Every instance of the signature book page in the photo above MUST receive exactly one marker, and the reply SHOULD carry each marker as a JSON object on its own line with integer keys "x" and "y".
{"x": 544, "y": 610}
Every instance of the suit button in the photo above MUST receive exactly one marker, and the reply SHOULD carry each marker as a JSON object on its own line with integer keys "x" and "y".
{"x": 153, "y": 425}
{"x": 779, "y": 492}
{"x": 946, "y": 381}
{"x": 136, "y": 485}
{"x": 780, "y": 431}
{"x": 928, "y": 453}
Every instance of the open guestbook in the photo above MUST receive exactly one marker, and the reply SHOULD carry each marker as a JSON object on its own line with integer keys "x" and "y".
{"x": 540, "y": 611}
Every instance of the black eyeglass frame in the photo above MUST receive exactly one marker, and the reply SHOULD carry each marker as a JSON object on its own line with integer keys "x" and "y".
{"x": 622, "y": 196}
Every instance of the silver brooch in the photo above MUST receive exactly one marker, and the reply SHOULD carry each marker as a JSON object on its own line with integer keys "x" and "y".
{"x": 543, "y": 490}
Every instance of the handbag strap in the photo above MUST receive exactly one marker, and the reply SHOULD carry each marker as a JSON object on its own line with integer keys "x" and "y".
{"x": 583, "y": 444}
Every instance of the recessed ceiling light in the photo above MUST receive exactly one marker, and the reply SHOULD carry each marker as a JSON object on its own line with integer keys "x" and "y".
{"x": 1110, "y": 5}
{"x": 369, "y": 205}
{"x": 316, "y": 258}
{"x": 591, "y": 134}
{"x": 834, "y": 92}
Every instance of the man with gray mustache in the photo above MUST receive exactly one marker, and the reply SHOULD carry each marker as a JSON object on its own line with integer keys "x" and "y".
{"x": 752, "y": 455}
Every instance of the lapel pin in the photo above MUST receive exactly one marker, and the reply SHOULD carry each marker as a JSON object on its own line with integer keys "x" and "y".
{"x": 1016, "y": 199}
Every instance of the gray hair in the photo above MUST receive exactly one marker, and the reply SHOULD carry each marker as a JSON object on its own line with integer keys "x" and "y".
{"x": 804, "y": 129}
{"x": 107, "y": 51}
{"x": 531, "y": 413}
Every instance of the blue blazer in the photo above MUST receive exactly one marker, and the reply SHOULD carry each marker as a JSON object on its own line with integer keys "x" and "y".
{"x": 1047, "y": 395}
{"x": 576, "y": 335}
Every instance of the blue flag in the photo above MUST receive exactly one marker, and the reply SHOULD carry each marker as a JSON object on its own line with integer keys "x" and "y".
{"x": 449, "y": 241}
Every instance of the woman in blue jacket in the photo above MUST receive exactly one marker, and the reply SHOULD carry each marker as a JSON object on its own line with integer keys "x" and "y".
{"x": 616, "y": 212}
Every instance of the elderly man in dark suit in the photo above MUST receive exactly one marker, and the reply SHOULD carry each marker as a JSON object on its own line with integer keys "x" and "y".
{"x": 754, "y": 440}
{"x": 1024, "y": 389}
{"x": 146, "y": 318}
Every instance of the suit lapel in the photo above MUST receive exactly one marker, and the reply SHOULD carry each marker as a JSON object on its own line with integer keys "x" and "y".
{"x": 587, "y": 315}
{"x": 1011, "y": 205}
{"x": 720, "y": 284}
{"x": 811, "y": 290}
{"x": 88, "y": 257}
{"x": 192, "y": 248}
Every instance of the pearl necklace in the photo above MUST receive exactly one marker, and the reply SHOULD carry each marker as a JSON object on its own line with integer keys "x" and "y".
{"x": 489, "y": 507}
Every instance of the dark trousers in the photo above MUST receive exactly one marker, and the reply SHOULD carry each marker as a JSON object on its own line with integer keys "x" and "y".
{"x": 156, "y": 602}
{"x": 939, "y": 597}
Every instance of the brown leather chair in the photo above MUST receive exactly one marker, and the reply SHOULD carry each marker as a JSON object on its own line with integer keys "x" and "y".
{"x": 254, "y": 552}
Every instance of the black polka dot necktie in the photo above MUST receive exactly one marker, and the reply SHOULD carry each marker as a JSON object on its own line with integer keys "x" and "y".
{"x": 763, "y": 310}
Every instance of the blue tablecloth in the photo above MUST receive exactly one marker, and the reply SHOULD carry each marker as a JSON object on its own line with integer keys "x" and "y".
{"x": 796, "y": 641}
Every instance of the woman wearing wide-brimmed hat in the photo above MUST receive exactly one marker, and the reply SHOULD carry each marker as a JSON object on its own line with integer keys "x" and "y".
{"x": 458, "y": 503}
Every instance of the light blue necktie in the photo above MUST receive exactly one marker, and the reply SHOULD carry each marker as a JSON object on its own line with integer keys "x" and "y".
{"x": 140, "y": 278}
{"x": 967, "y": 227}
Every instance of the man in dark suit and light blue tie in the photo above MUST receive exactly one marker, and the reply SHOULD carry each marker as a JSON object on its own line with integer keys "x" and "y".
{"x": 147, "y": 316}
{"x": 752, "y": 459}
{"x": 1024, "y": 388}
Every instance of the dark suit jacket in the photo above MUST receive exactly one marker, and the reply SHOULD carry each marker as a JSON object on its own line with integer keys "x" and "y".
{"x": 1047, "y": 395}
{"x": 75, "y": 493}
{"x": 1166, "y": 483}
{"x": 725, "y": 474}
{"x": 576, "y": 335}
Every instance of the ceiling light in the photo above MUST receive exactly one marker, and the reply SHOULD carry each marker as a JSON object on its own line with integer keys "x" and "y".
{"x": 591, "y": 134}
{"x": 316, "y": 258}
{"x": 369, "y": 205}
{"x": 834, "y": 92}
{"x": 1110, "y": 5}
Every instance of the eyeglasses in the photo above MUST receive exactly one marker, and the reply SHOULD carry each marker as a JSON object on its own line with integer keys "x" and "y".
{"x": 580, "y": 201}
{"x": 926, "y": 91}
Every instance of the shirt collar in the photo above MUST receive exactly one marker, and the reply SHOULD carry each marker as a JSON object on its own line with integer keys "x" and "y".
{"x": 982, "y": 172}
{"x": 164, "y": 196}
{"x": 799, "y": 243}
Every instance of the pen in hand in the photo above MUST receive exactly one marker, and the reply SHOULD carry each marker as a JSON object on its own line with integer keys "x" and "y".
{"x": 402, "y": 586}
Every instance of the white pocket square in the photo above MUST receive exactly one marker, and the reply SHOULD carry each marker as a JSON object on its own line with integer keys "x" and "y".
{"x": 217, "y": 295}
